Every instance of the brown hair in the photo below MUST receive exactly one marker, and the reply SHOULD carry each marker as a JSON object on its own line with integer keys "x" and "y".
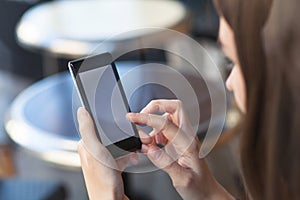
{"x": 270, "y": 144}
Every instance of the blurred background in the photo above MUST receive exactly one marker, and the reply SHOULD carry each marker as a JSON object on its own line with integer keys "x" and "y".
{"x": 38, "y": 136}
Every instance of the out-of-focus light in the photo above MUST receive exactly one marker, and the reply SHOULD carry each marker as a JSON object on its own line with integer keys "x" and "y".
{"x": 28, "y": 34}
{"x": 72, "y": 47}
{"x": 62, "y": 158}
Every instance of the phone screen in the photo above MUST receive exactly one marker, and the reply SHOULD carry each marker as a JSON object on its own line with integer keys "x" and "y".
{"x": 107, "y": 103}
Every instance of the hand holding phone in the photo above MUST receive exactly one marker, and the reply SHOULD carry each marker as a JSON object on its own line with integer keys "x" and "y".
{"x": 101, "y": 92}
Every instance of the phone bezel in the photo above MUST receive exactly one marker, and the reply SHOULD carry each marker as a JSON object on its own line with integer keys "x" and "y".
{"x": 119, "y": 148}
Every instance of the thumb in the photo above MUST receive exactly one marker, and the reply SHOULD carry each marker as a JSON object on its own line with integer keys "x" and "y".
{"x": 165, "y": 162}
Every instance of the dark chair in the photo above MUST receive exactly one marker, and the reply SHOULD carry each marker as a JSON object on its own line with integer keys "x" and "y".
{"x": 13, "y": 58}
{"x": 205, "y": 21}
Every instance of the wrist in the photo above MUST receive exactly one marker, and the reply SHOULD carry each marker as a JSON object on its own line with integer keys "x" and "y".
{"x": 220, "y": 193}
{"x": 110, "y": 193}
{"x": 110, "y": 196}
{"x": 215, "y": 191}
{"x": 199, "y": 184}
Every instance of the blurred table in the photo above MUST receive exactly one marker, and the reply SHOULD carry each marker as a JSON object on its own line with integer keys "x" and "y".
{"x": 74, "y": 28}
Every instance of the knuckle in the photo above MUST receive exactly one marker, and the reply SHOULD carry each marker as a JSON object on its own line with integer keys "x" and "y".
{"x": 179, "y": 103}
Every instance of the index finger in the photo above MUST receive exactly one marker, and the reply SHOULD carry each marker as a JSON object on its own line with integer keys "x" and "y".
{"x": 169, "y": 106}
{"x": 161, "y": 123}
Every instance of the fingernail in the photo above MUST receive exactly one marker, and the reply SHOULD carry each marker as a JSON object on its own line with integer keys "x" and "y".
{"x": 155, "y": 153}
{"x": 129, "y": 116}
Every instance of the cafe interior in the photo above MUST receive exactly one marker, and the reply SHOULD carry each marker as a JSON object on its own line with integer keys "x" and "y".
{"x": 38, "y": 99}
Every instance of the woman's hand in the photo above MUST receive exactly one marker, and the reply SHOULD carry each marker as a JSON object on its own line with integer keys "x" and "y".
{"x": 180, "y": 159}
{"x": 102, "y": 173}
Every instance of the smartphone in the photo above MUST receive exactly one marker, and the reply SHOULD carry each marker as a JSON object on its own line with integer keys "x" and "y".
{"x": 100, "y": 90}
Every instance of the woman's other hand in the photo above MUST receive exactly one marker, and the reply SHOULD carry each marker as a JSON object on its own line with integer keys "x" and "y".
{"x": 180, "y": 159}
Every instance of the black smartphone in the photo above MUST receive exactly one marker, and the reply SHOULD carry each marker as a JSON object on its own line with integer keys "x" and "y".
{"x": 101, "y": 92}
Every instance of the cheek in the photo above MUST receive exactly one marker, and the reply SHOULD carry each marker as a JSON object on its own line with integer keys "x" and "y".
{"x": 236, "y": 84}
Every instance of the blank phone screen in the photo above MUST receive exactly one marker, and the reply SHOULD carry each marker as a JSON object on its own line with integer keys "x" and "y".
{"x": 107, "y": 105}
